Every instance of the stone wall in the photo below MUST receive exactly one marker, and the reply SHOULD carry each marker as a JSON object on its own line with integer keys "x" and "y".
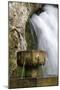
{"x": 19, "y": 13}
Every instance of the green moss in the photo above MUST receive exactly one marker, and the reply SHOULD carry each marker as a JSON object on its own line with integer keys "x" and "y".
{"x": 19, "y": 71}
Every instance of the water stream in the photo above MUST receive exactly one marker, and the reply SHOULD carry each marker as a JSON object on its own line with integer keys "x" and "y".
{"x": 45, "y": 26}
{"x": 23, "y": 70}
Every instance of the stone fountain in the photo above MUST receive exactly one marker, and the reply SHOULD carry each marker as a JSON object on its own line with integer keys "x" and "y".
{"x": 31, "y": 63}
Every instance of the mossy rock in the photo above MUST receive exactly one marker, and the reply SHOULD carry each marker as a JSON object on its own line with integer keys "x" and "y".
{"x": 31, "y": 42}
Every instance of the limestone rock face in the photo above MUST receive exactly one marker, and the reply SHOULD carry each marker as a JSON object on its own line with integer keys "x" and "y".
{"x": 18, "y": 16}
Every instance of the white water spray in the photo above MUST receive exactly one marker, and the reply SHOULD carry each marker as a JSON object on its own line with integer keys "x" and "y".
{"x": 46, "y": 28}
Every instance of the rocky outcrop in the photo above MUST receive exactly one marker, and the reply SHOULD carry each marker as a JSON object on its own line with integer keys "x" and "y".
{"x": 19, "y": 13}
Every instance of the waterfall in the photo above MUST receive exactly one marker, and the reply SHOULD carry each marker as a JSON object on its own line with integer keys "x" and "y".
{"x": 45, "y": 26}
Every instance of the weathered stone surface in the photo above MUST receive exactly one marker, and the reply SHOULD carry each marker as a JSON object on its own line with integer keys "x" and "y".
{"x": 33, "y": 82}
{"x": 19, "y": 13}
{"x": 31, "y": 58}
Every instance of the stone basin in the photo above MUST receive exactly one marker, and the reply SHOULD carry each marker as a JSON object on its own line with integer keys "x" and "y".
{"x": 31, "y": 58}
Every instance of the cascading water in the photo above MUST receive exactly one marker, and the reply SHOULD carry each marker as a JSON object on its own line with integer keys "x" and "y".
{"x": 45, "y": 26}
